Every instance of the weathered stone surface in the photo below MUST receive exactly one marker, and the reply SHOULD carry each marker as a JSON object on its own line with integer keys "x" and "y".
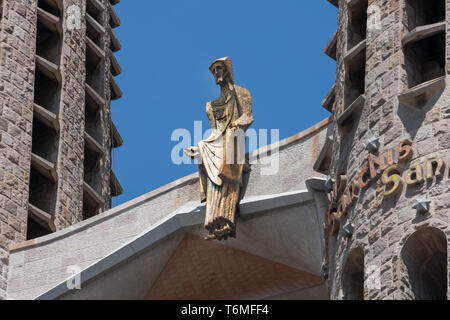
{"x": 382, "y": 226}
{"x": 16, "y": 111}
{"x": 18, "y": 32}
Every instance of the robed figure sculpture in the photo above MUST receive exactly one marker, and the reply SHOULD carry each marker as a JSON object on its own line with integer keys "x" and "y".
{"x": 222, "y": 156}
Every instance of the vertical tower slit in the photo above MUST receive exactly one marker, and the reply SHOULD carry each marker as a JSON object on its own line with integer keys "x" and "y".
{"x": 94, "y": 108}
{"x": 45, "y": 131}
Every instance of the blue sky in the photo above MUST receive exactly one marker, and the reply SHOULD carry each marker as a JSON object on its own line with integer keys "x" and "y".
{"x": 167, "y": 47}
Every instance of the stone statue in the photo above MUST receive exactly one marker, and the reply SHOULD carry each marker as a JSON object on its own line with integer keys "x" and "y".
{"x": 222, "y": 156}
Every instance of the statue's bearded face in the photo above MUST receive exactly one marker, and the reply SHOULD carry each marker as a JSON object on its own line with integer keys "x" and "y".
{"x": 219, "y": 72}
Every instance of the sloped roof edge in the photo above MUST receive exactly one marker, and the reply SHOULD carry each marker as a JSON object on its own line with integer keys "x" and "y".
{"x": 188, "y": 216}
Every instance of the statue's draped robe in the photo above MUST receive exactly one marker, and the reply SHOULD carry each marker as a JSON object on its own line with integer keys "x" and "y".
{"x": 222, "y": 161}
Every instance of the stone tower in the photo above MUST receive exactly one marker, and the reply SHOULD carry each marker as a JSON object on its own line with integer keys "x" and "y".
{"x": 57, "y": 81}
{"x": 387, "y": 224}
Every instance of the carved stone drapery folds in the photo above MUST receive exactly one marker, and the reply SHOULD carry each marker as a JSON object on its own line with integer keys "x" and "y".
{"x": 222, "y": 155}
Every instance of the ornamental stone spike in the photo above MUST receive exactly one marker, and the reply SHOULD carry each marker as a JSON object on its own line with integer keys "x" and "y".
{"x": 324, "y": 270}
{"x": 422, "y": 206}
{"x": 373, "y": 144}
{"x": 329, "y": 183}
{"x": 349, "y": 228}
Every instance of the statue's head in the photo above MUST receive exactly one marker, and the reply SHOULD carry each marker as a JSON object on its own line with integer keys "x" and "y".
{"x": 222, "y": 70}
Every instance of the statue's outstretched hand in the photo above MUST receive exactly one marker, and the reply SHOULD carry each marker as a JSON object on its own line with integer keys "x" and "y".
{"x": 192, "y": 152}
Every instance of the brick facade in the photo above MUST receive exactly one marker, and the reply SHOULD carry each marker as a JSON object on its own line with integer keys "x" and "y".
{"x": 188, "y": 276}
{"x": 401, "y": 95}
{"x": 56, "y": 135}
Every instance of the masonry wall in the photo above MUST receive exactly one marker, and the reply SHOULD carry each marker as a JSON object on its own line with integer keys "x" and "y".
{"x": 37, "y": 266}
{"x": 296, "y": 160}
{"x": 72, "y": 171}
{"x": 69, "y": 207}
{"x": 383, "y": 225}
{"x": 17, "y": 46}
{"x": 45, "y": 138}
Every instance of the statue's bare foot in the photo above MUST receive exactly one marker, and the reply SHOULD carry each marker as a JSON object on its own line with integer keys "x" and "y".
{"x": 210, "y": 237}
